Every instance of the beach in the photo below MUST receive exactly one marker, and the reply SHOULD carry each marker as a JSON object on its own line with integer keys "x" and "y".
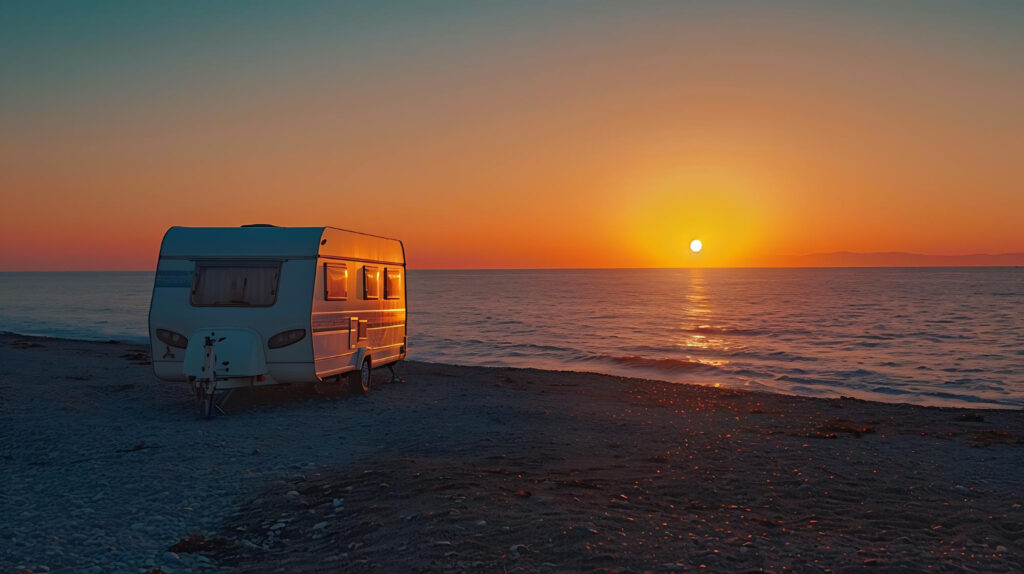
{"x": 107, "y": 469}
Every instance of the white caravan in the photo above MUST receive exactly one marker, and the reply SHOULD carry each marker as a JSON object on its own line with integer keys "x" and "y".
{"x": 262, "y": 305}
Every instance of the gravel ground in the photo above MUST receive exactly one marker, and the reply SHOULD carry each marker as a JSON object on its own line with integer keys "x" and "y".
{"x": 106, "y": 469}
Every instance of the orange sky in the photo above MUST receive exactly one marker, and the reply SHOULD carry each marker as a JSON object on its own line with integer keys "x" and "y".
{"x": 579, "y": 136}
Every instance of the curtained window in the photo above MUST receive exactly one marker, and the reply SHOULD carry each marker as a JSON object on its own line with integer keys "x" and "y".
{"x": 235, "y": 284}
{"x": 335, "y": 281}
{"x": 371, "y": 282}
{"x": 392, "y": 283}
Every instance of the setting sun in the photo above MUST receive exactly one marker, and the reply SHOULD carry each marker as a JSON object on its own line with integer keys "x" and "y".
{"x": 696, "y": 246}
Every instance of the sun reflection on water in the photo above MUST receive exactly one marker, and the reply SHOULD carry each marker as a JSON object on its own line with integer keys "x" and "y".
{"x": 694, "y": 325}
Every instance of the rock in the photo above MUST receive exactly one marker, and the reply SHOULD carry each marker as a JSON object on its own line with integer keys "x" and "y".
{"x": 320, "y": 525}
{"x": 337, "y": 502}
{"x": 1001, "y": 549}
{"x": 278, "y": 526}
{"x": 961, "y": 489}
{"x": 481, "y": 523}
{"x": 95, "y": 570}
{"x": 292, "y": 494}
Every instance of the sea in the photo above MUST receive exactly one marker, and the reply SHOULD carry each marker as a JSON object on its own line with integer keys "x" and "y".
{"x": 928, "y": 336}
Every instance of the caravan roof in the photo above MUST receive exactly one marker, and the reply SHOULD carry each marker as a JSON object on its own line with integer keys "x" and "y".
{"x": 266, "y": 241}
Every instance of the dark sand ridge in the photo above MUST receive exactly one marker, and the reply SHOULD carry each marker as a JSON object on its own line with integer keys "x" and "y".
{"x": 476, "y": 469}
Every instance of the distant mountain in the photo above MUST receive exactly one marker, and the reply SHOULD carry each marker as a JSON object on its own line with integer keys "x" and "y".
{"x": 898, "y": 259}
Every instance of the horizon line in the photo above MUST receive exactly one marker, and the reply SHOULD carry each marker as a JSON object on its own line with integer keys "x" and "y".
{"x": 584, "y": 268}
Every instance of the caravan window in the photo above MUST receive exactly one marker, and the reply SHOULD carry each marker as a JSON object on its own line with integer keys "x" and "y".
{"x": 371, "y": 282}
{"x": 335, "y": 282}
{"x": 235, "y": 283}
{"x": 392, "y": 283}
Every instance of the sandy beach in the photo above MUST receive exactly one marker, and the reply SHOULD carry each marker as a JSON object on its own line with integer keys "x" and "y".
{"x": 107, "y": 469}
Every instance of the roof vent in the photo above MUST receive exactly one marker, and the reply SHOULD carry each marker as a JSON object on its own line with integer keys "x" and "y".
{"x": 259, "y": 225}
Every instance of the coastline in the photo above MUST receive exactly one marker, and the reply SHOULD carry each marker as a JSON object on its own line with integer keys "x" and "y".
{"x": 489, "y": 468}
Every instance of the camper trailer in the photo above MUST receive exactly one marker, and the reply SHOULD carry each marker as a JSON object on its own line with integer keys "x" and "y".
{"x": 264, "y": 305}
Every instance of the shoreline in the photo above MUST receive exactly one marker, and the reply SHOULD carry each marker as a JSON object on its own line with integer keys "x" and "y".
{"x": 854, "y": 394}
{"x": 488, "y": 468}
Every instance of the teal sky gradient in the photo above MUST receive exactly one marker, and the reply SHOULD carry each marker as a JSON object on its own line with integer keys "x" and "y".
{"x": 787, "y": 127}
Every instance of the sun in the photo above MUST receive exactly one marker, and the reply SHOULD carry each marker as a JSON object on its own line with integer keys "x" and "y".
{"x": 696, "y": 245}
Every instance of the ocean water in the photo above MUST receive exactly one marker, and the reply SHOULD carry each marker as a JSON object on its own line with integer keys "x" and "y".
{"x": 933, "y": 336}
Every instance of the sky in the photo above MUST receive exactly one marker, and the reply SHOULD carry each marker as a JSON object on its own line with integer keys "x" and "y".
{"x": 518, "y": 134}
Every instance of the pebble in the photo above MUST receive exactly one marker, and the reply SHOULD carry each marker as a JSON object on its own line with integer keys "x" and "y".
{"x": 320, "y": 525}
{"x": 292, "y": 494}
{"x": 962, "y": 490}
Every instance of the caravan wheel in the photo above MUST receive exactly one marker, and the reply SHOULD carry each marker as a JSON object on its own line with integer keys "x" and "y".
{"x": 361, "y": 378}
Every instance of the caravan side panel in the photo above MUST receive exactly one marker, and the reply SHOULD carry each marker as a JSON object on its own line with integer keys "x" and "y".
{"x": 355, "y": 306}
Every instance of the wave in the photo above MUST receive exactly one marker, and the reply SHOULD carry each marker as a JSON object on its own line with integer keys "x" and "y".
{"x": 664, "y": 364}
{"x": 722, "y": 330}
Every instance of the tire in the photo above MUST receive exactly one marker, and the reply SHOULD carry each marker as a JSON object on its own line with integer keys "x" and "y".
{"x": 360, "y": 380}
